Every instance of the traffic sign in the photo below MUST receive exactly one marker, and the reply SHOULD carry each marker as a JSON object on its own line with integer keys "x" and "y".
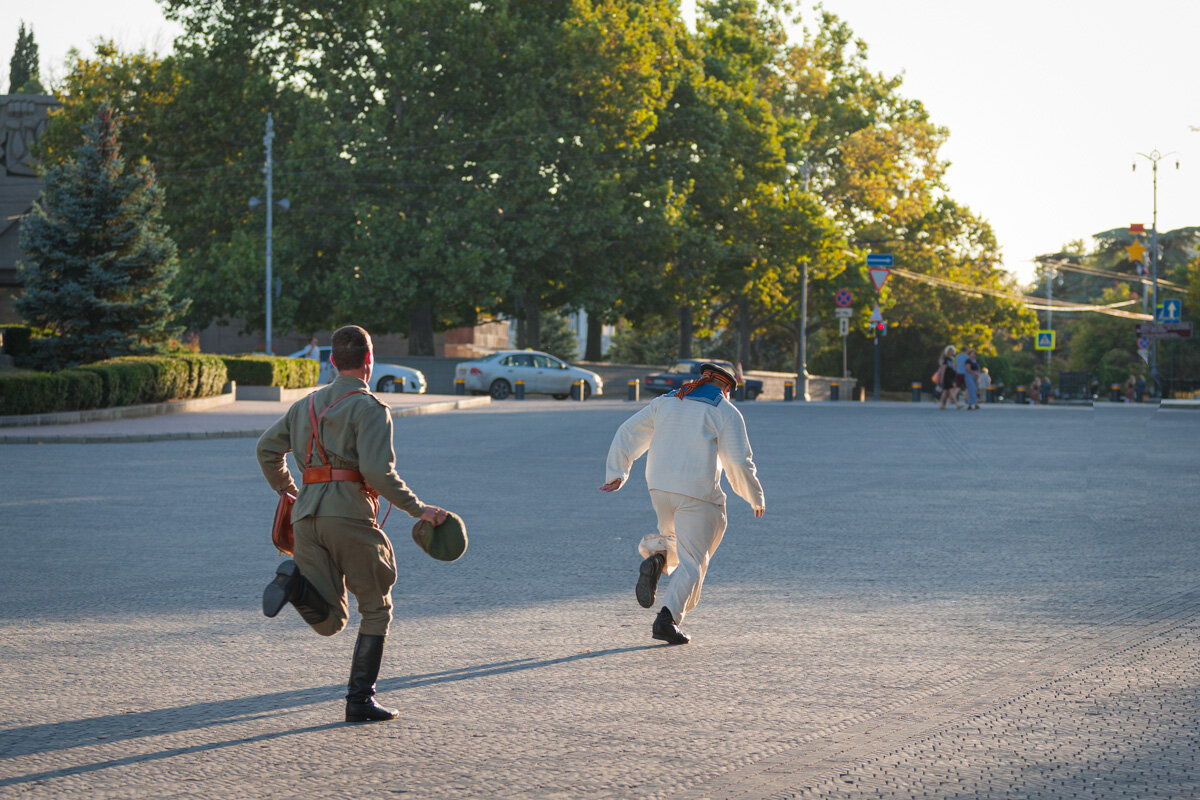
{"x": 843, "y": 298}
{"x": 844, "y": 326}
{"x": 843, "y": 313}
{"x": 1045, "y": 340}
{"x": 879, "y": 260}
{"x": 1169, "y": 311}
{"x": 879, "y": 275}
{"x": 875, "y": 315}
{"x": 1143, "y": 343}
{"x": 1165, "y": 330}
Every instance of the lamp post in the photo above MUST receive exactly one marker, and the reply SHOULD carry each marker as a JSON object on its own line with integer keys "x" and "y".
{"x": 254, "y": 202}
{"x": 802, "y": 378}
{"x": 1154, "y": 157}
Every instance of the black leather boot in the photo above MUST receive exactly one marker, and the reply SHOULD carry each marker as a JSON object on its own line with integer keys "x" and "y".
{"x": 666, "y": 630}
{"x": 290, "y": 586}
{"x": 364, "y": 670}
{"x": 647, "y": 582}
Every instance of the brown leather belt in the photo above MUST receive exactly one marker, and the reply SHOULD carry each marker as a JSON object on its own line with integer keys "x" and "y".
{"x": 327, "y": 474}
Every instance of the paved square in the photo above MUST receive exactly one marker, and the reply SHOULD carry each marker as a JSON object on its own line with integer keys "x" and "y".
{"x": 1002, "y": 603}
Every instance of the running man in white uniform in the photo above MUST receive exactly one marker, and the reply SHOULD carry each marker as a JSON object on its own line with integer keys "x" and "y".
{"x": 691, "y": 434}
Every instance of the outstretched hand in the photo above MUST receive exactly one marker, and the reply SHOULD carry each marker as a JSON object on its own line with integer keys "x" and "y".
{"x": 611, "y": 486}
{"x": 434, "y": 514}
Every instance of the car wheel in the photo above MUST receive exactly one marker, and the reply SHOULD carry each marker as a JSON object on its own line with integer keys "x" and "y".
{"x": 500, "y": 389}
{"x": 587, "y": 390}
{"x": 560, "y": 396}
{"x": 388, "y": 384}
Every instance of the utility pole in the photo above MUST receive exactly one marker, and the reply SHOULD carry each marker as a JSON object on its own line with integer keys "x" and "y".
{"x": 1154, "y": 157}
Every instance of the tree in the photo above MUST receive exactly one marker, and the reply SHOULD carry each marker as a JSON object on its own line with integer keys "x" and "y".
{"x": 23, "y": 70}
{"x": 100, "y": 262}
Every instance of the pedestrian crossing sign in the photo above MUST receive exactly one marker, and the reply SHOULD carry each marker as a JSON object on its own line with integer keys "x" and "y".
{"x": 1045, "y": 340}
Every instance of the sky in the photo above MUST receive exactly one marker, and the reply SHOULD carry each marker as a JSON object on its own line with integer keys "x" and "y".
{"x": 1047, "y": 103}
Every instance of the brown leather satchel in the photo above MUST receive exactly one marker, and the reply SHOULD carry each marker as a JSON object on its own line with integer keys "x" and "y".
{"x": 281, "y": 528}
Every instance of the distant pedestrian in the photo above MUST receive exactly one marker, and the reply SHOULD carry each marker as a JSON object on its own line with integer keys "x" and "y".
{"x": 960, "y": 377}
{"x": 945, "y": 376}
{"x": 985, "y": 383}
{"x": 972, "y": 379}
{"x": 1139, "y": 388}
{"x": 690, "y": 435}
{"x": 1046, "y": 390}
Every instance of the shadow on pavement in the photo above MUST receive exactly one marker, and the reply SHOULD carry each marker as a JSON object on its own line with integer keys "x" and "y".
{"x": 112, "y": 728}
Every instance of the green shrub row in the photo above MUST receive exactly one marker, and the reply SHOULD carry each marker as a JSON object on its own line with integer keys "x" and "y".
{"x": 260, "y": 370}
{"x": 116, "y": 382}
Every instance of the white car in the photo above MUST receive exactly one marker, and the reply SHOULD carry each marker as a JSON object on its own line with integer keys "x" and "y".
{"x": 498, "y": 374}
{"x": 386, "y": 377}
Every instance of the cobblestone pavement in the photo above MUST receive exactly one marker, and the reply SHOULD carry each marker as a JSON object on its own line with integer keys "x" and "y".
{"x": 993, "y": 604}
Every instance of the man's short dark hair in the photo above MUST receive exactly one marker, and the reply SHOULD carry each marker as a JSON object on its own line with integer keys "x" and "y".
{"x": 350, "y": 347}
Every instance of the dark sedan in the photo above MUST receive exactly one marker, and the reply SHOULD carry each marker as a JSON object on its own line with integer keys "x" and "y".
{"x": 688, "y": 369}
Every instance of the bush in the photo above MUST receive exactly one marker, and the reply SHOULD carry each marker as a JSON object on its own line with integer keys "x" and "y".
{"x": 30, "y": 393}
{"x": 207, "y": 375}
{"x": 80, "y": 390}
{"x": 117, "y": 382}
{"x": 259, "y": 370}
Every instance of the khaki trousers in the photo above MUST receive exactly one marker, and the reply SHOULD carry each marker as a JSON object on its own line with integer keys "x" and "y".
{"x": 689, "y": 531}
{"x": 338, "y": 553}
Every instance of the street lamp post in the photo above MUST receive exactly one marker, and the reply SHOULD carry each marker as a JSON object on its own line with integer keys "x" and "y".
{"x": 254, "y": 202}
{"x": 1154, "y": 157}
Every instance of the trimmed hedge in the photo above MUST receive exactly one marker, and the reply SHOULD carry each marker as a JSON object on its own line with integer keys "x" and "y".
{"x": 117, "y": 382}
{"x": 260, "y": 370}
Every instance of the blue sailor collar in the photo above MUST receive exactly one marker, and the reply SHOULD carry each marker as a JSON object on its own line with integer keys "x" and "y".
{"x": 708, "y": 393}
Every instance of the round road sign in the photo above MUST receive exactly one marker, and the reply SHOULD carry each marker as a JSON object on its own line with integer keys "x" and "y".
{"x": 843, "y": 298}
{"x": 1143, "y": 343}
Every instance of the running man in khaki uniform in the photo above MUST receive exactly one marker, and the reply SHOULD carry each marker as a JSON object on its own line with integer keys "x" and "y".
{"x": 347, "y": 467}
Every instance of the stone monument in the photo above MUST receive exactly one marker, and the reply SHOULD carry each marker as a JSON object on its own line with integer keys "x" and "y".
{"x": 23, "y": 117}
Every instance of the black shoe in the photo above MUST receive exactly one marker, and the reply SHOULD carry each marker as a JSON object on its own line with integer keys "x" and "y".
{"x": 290, "y": 586}
{"x": 647, "y": 582}
{"x": 666, "y": 629}
{"x": 280, "y": 591}
{"x": 364, "y": 669}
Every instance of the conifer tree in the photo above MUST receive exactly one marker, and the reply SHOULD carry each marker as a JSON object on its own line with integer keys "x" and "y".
{"x": 98, "y": 261}
{"x": 23, "y": 71}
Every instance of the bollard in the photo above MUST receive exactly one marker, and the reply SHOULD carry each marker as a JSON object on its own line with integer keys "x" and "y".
{"x": 1116, "y": 392}
{"x": 633, "y": 390}
{"x": 740, "y": 392}
{"x": 460, "y": 386}
{"x": 916, "y": 390}
{"x": 1020, "y": 395}
{"x": 991, "y": 394}
{"x": 789, "y": 388}
{"x": 833, "y": 390}
{"x": 519, "y": 390}
{"x": 578, "y": 392}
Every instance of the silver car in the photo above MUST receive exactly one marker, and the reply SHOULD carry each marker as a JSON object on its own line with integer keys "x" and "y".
{"x": 498, "y": 374}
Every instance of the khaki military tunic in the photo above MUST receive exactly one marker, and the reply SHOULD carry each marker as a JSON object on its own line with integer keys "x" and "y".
{"x": 338, "y": 545}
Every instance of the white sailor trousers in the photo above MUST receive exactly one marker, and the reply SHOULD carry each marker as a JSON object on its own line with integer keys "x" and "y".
{"x": 689, "y": 531}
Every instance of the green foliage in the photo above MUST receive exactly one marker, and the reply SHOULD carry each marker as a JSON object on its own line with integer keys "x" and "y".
{"x": 260, "y": 370}
{"x": 17, "y": 339}
{"x": 642, "y": 344}
{"x": 98, "y": 260}
{"x": 118, "y": 382}
{"x": 558, "y": 338}
{"x": 23, "y": 68}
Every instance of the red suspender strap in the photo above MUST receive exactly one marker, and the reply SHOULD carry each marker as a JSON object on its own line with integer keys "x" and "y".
{"x": 315, "y": 420}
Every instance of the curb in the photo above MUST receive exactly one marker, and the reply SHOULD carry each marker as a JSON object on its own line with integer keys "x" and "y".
{"x": 248, "y": 433}
{"x": 120, "y": 412}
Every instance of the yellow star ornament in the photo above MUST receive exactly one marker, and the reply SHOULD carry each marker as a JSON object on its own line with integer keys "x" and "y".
{"x": 1136, "y": 251}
